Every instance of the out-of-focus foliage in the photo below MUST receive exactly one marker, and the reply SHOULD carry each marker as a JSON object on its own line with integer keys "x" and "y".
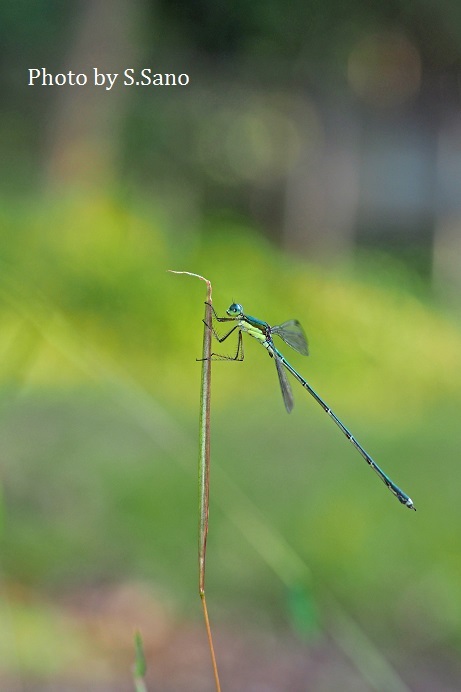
{"x": 309, "y": 33}
{"x": 323, "y": 126}
{"x": 101, "y": 265}
{"x": 100, "y": 403}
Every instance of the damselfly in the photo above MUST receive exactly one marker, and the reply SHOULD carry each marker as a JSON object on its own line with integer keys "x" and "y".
{"x": 292, "y": 334}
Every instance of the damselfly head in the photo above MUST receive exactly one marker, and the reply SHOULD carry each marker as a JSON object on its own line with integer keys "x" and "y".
{"x": 235, "y": 310}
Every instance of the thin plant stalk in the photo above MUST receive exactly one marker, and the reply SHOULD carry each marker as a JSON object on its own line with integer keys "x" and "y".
{"x": 204, "y": 464}
{"x": 139, "y": 668}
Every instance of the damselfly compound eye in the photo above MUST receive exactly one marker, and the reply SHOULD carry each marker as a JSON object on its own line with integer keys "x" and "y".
{"x": 235, "y": 310}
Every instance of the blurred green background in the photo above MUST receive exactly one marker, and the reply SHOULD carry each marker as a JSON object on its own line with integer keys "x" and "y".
{"x": 310, "y": 169}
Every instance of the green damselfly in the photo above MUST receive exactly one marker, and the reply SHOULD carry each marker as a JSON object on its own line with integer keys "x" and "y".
{"x": 292, "y": 334}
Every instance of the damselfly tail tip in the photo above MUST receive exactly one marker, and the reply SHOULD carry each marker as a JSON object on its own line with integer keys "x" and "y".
{"x": 409, "y": 504}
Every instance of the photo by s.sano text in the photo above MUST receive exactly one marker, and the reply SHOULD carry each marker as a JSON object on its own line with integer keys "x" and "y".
{"x": 40, "y": 76}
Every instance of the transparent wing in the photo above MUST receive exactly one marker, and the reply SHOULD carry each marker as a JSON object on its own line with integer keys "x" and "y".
{"x": 292, "y": 334}
{"x": 284, "y": 384}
